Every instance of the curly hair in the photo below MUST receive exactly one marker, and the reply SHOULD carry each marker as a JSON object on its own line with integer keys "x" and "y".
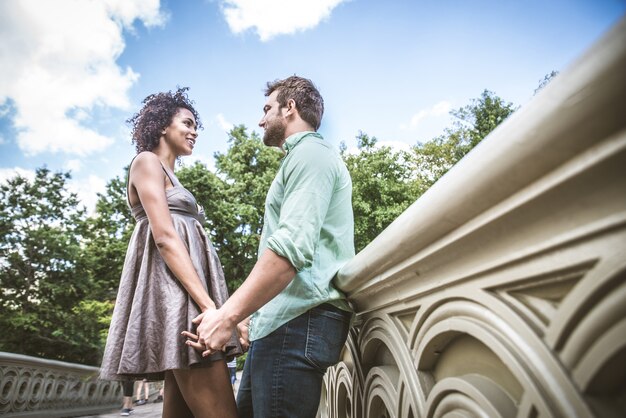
{"x": 309, "y": 101}
{"x": 156, "y": 114}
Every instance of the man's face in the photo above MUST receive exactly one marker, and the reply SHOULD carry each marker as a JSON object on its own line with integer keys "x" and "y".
{"x": 273, "y": 122}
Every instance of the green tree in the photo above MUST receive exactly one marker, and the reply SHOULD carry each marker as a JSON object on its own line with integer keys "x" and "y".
{"x": 472, "y": 123}
{"x": 386, "y": 181}
{"x": 110, "y": 229}
{"x": 383, "y": 186}
{"x": 42, "y": 272}
{"x": 234, "y": 199}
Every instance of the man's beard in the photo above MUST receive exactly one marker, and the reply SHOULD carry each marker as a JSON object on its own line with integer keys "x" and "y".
{"x": 274, "y": 133}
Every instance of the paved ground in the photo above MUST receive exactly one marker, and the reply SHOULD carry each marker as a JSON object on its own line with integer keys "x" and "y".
{"x": 149, "y": 410}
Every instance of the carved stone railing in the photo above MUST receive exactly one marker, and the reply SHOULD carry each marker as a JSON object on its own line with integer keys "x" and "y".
{"x": 33, "y": 387}
{"x": 501, "y": 292}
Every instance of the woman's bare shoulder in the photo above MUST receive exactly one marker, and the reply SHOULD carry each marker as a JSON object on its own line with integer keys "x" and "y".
{"x": 146, "y": 161}
{"x": 146, "y": 157}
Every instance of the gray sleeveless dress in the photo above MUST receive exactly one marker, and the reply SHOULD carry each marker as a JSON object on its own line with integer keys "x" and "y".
{"x": 152, "y": 307}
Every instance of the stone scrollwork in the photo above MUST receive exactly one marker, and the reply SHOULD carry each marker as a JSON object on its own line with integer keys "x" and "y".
{"x": 36, "y": 387}
{"x": 501, "y": 292}
{"x": 471, "y": 393}
{"x": 342, "y": 385}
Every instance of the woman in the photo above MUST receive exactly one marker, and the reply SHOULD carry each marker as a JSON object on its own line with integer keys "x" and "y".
{"x": 171, "y": 273}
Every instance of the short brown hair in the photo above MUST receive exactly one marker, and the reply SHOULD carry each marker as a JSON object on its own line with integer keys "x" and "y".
{"x": 309, "y": 101}
{"x": 157, "y": 114}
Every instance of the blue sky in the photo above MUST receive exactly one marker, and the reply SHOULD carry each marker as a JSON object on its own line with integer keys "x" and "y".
{"x": 74, "y": 70}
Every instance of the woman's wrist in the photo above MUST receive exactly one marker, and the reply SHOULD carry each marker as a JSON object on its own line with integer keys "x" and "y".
{"x": 210, "y": 306}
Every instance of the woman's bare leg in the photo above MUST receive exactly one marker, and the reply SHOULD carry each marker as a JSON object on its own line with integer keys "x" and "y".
{"x": 146, "y": 390}
{"x": 174, "y": 405}
{"x": 207, "y": 390}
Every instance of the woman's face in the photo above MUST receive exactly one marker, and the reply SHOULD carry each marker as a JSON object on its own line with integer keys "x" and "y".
{"x": 181, "y": 134}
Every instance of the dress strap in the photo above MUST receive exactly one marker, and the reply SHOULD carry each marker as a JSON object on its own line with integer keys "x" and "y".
{"x": 171, "y": 176}
{"x": 168, "y": 173}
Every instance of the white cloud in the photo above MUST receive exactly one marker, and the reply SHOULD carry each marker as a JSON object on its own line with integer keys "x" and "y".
{"x": 276, "y": 17}
{"x": 62, "y": 57}
{"x": 87, "y": 189}
{"x": 7, "y": 173}
{"x": 73, "y": 165}
{"x": 207, "y": 160}
{"x": 394, "y": 145}
{"x": 440, "y": 109}
{"x": 223, "y": 123}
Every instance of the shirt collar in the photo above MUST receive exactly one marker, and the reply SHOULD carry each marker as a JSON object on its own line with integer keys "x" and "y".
{"x": 295, "y": 139}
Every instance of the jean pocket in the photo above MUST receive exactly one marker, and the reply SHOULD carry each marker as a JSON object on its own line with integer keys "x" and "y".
{"x": 326, "y": 335}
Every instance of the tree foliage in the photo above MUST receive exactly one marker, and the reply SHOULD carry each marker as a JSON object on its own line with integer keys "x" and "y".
{"x": 109, "y": 229}
{"x": 42, "y": 269}
{"x": 387, "y": 181}
{"x": 383, "y": 186}
{"x": 472, "y": 124}
{"x": 234, "y": 198}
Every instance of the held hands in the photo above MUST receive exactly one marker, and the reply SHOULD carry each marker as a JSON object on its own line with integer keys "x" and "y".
{"x": 214, "y": 330}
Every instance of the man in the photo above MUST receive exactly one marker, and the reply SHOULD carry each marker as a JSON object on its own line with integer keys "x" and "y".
{"x": 300, "y": 321}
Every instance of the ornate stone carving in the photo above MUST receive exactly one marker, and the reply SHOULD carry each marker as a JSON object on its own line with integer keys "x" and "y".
{"x": 37, "y": 387}
{"x": 502, "y": 291}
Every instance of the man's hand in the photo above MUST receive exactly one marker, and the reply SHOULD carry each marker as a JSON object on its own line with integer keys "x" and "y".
{"x": 242, "y": 330}
{"x": 214, "y": 331}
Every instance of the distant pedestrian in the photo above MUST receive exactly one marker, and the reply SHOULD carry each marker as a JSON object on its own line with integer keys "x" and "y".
{"x": 127, "y": 392}
{"x": 146, "y": 393}
{"x": 232, "y": 368}
{"x": 159, "y": 398}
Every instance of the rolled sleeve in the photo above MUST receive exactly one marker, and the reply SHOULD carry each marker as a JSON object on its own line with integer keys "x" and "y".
{"x": 309, "y": 183}
{"x": 286, "y": 247}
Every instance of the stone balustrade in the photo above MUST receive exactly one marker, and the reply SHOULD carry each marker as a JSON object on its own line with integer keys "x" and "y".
{"x": 34, "y": 387}
{"x": 501, "y": 292}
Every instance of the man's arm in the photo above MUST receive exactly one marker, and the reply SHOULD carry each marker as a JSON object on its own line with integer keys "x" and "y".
{"x": 270, "y": 275}
{"x": 309, "y": 183}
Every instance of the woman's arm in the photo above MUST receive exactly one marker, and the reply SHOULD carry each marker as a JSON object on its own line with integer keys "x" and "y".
{"x": 147, "y": 177}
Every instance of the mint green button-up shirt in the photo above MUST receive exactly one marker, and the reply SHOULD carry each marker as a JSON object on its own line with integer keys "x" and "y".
{"x": 309, "y": 221}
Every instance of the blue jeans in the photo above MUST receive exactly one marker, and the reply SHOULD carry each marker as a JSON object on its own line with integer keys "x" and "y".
{"x": 282, "y": 376}
{"x": 233, "y": 374}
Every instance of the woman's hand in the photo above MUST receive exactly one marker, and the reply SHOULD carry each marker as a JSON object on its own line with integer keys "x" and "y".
{"x": 213, "y": 332}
